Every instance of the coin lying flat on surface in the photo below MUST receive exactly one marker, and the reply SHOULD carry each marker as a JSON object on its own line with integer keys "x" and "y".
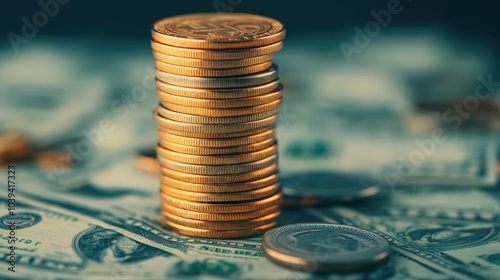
{"x": 328, "y": 187}
{"x": 325, "y": 247}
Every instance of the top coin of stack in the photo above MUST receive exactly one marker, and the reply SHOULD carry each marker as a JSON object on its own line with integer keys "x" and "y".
{"x": 219, "y": 97}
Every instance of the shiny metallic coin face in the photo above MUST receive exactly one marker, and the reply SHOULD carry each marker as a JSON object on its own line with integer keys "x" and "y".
{"x": 218, "y": 31}
{"x": 325, "y": 247}
{"x": 329, "y": 187}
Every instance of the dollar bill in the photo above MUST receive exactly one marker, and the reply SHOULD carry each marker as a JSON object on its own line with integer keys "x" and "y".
{"x": 455, "y": 232}
{"x": 53, "y": 243}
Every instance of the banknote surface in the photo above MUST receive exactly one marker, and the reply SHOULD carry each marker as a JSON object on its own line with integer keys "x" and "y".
{"x": 99, "y": 218}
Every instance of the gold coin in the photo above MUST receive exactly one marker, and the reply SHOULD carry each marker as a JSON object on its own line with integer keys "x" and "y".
{"x": 187, "y": 118}
{"x": 221, "y": 207}
{"x": 225, "y": 112}
{"x": 221, "y": 197}
{"x": 216, "y": 54}
{"x": 222, "y": 142}
{"x": 215, "y": 128}
{"x": 219, "y": 188}
{"x": 192, "y": 150}
{"x": 219, "y": 135}
{"x": 218, "y": 169}
{"x": 223, "y": 225}
{"x": 217, "y": 64}
{"x": 218, "y": 31}
{"x": 223, "y": 234}
{"x": 227, "y": 93}
{"x": 251, "y": 80}
{"x": 210, "y": 72}
{"x": 217, "y": 179}
{"x": 216, "y": 217}
{"x": 217, "y": 159}
{"x": 220, "y": 103}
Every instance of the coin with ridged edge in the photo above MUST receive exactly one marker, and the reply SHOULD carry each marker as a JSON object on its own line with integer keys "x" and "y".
{"x": 205, "y": 63}
{"x": 192, "y": 150}
{"x": 218, "y": 217}
{"x": 167, "y": 182}
{"x": 225, "y": 169}
{"x": 224, "y": 112}
{"x": 211, "y": 72}
{"x": 215, "y": 179}
{"x": 218, "y": 31}
{"x": 216, "y": 54}
{"x": 341, "y": 247}
{"x": 217, "y": 135}
{"x": 221, "y": 197}
{"x": 220, "y": 103}
{"x": 225, "y": 225}
{"x": 215, "y": 128}
{"x": 221, "y": 82}
{"x": 222, "y": 234}
{"x": 221, "y": 142}
{"x": 220, "y": 93}
{"x": 216, "y": 159}
{"x": 222, "y": 207}
{"x": 187, "y": 118}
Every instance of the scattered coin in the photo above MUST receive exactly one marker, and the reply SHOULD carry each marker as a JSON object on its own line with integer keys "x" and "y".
{"x": 328, "y": 187}
{"x": 325, "y": 247}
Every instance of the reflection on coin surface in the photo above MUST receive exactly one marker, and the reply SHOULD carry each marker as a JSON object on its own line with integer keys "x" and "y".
{"x": 218, "y": 31}
{"x": 325, "y": 247}
{"x": 329, "y": 186}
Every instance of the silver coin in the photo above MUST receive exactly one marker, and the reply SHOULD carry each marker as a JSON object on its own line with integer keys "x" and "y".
{"x": 250, "y": 80}
{"x": 325, "y": 187}
{"x": 324, "y": 247}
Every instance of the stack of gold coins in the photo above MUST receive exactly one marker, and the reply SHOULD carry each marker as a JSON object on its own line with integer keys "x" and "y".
{"x": 219, "y": 97}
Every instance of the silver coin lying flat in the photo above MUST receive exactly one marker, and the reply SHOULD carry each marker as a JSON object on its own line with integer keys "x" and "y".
{"x": 328, "y": 187}
{"x": 324, "y": 247}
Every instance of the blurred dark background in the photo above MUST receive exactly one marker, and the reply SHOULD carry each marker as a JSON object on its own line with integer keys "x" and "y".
{"x": 132, "y": 19}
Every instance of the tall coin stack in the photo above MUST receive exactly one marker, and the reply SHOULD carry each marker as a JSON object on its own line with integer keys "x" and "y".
{"x": 219, "y": 98}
